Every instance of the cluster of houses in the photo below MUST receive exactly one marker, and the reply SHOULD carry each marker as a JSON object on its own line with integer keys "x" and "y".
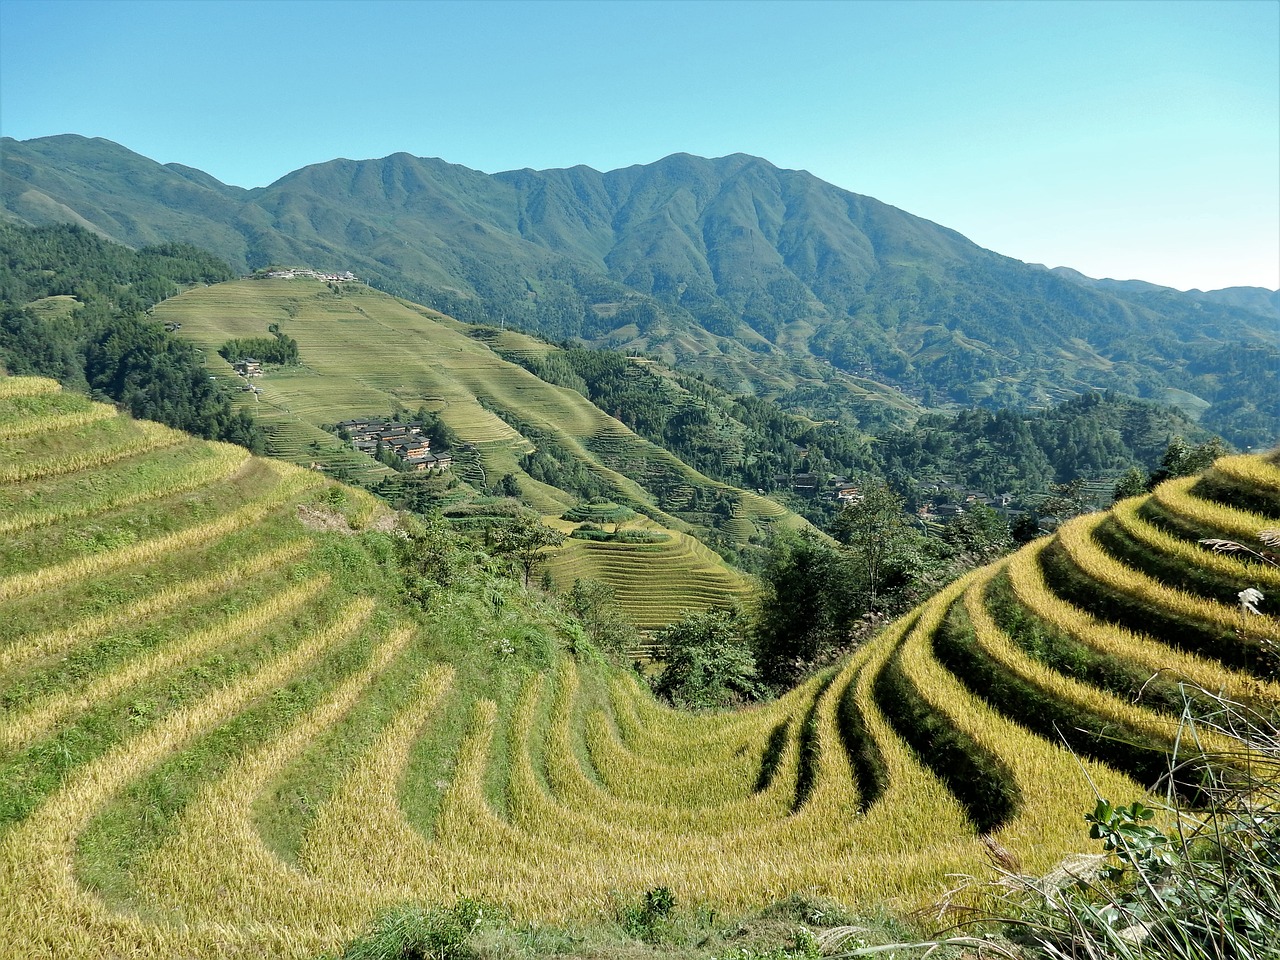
{"x": 947, "y": 500}
{"x": 345, "y": 277}
{"x": 373, "y": 435}
{"x": 248, "y": 367}
{"x": 938, "y": 502}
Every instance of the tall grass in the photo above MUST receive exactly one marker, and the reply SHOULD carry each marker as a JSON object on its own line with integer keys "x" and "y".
{"x": 1171, "y": 881}
{"x": 148, "y": 436}
{"x": 293, "y": 482}
{"x": 218, "y": 842}
{"x": 1251, "y": 471}
{"x": 1224, "y": 520}
{"x": 57, "y": 917}
{"x": 31, "y": 426}
{"x": 147, "y": 481}
{"x": 1026, "y": 577}
{"x": 27, "y": 386}
{"x": 28, "y": 649}
{"x": 37, "y": 719}
{"x": 1187, "y": 552}
{"x": 1076, "y": 538}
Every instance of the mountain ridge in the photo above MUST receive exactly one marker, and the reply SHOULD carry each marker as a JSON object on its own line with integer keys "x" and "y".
{"x": 769, "y": 279}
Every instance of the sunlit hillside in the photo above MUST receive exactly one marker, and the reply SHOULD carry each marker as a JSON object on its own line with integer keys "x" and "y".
{"x": 227, "y": 733}
{"x": 365, "y": 353}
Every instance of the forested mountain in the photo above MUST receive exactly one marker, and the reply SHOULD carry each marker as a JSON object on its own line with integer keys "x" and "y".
{"x": 753, "y": 443}
{"x": 1021, "y": 452}
{"x": 73, "y": 307}
{"x": 772, "y": 280}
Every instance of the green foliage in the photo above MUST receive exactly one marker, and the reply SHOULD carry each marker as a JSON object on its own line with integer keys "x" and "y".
{"x": 599, "y": 510}
{"x": 875, "y": 529}
{"x": 649, "y": 919}
{"x": 978, "y": 536}
{"x": 415, "y": 933}
{"x": 1022, "y": 452}
{"x": 595, "y": 605}
{"x": 810, "y": 600}
{"x": 67, "y": 260}
{"x": 1128, "y": 833}
{"x": 554, "y": 464}
{"x": 1181, "y": 459}
{"x": 708, "y": 661}
{"x": 819, "y": 598}
{"x": 1132, "y": 484}
{"x": 108, "y": 345}
{"x": 279, "y": 349}
{"x": 743, "y": 440}
{"x": 432, "y": 556}
{"x": 590, "y": 532}
{"x": 523, "y": 539}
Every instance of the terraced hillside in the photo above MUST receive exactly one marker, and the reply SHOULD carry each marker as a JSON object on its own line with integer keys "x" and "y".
{"x": 364, "y": 352}
{"x": 225, "y": 735}
{"x": 653, "y": 582}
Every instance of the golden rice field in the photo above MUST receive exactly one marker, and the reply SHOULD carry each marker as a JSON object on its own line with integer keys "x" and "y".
{"x": 225, "y": 734}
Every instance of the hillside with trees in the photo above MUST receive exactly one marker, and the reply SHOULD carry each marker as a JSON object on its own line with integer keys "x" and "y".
{"x": 74, "y": 307}
{"x": 778, "y": 283}
{"x": 754, "y": 443}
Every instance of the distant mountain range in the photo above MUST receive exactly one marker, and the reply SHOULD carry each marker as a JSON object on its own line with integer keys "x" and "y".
{"x": 772, "y": 280}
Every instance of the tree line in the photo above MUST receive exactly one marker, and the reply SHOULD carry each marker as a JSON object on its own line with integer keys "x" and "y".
{"x": 105, "y": 344}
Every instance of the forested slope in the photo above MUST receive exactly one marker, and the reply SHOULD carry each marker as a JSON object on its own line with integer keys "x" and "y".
{"x": 774, "y": 281}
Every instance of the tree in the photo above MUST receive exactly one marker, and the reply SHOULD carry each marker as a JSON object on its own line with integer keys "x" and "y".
{"x": 978, "y": 536}
{"x": 873, "y": 528}
{"x": 1181, "y": 459}
{"x": 600, "y": 510}
{"x": 595, "y": 605}
{"x": 1065, "y": 500}
{"x": 1132, "y": 484}
{"x": 811, "y": 596}
{"x": 708, "y": 661}
{"x": 523, "y": 538}
{"x": 432, "y": 555}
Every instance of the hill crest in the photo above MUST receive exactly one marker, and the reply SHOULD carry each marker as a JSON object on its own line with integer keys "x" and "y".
{"x": 767, "y": 278}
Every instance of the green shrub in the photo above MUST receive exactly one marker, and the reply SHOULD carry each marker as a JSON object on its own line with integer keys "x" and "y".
{"x": 649, "y": 919}
{"x": 417, "y": 933}
{"x": 708, "y": 661}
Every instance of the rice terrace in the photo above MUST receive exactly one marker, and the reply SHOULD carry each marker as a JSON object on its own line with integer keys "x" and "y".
{"x": 365, "y": 351}
{"x": 227, "y": 734}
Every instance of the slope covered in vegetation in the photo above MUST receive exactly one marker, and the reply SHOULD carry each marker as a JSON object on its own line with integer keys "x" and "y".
{"x": 364, "y": 353}
{"x": 73, "y": 307}
{"x": 770, "y": 279}
{"x": 228, "y": 735}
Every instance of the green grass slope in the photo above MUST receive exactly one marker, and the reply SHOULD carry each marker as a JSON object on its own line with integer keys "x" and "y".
{"x": 364, "y": 353}
{"x": 225, "y": 734}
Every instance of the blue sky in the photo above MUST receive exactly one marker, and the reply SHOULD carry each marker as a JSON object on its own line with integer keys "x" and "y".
{"x": 1129, "y": 140}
